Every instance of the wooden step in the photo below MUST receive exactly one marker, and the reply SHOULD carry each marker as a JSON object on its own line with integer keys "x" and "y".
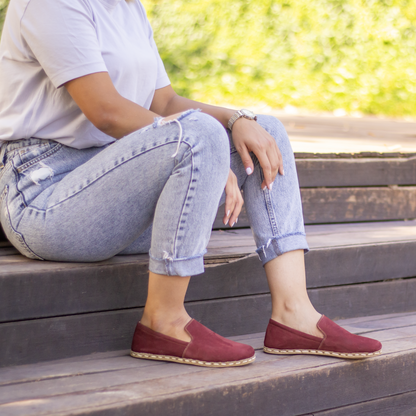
{"x": 54, "y": 310}
{"x": 341, "y": 254}
{"x": 351, "y": 188}
{"x": 114, "y": 383}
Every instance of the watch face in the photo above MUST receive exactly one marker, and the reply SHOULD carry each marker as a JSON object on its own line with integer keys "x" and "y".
{"x": 248, "y": 113}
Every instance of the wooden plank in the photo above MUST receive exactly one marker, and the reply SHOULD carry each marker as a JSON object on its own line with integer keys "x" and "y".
{"x": 393, "y": 321}
{"x": 6, "y": 250}
{"x": 322, "y": 236}
{"x": 334, "y": 205}
{"x": 317, "y": 134}
{"x": 333, "y": 235}
{"x": 384, "y": 325}
{"x": 119, "y": 360}
{"x": 291, "y": 385}
{"x": 2, "y": 235}
{"x": 329, "y": 205}
{"x": 70, "y": 290}
{"x": 397, "y": 405}
{"x": 358, "y": 264}
{"x": 356, "y": 172}
{"x": 122, "y": 281}
{"x": 61, "y": 337}
{"x": 397, "y": 131}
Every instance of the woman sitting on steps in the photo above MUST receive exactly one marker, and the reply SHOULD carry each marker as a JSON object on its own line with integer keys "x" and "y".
{"x": 100, "y": 157}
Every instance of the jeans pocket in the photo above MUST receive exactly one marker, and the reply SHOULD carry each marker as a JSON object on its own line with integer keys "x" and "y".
{"x": 29, "y": 156}
{"x": 13, "y": 236}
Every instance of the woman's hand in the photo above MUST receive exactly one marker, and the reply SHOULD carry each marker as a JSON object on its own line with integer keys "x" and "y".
{"x": 233, "y": 200}
{"x": 249, "y": 136}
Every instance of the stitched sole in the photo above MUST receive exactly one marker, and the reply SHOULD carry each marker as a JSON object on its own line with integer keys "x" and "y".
{"x": 191, "y": 361}
{"x": 349, "y": 355}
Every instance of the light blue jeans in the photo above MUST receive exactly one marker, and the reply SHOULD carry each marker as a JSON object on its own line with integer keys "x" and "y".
{"x": 63, "y": 204}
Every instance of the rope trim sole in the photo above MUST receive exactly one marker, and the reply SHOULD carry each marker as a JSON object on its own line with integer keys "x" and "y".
{"x": 191, "y": 361}
{"x": 348, "y": 355}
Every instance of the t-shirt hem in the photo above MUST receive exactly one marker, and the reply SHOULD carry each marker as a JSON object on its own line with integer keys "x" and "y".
{"x": 85, "y": 69}
{"x": 162, "y": 82}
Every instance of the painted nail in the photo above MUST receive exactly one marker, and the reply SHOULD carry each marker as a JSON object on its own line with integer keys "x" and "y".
{"x": 271, "y": 186}
{"x": 228, "y": 213}
{"x": 283, "y": 172}
{"x": 232, "y": 225}
{"x": 236, "y": 221}
{"x": 264, "y": 188}
{"x": 227, "y": 221}
{"x": 249, "y": 171}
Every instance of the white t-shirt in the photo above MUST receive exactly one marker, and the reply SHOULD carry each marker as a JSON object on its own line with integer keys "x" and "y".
{"x": 46, "y": 43}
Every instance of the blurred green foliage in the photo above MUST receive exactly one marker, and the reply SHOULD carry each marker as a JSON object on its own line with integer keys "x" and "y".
{"x": 358, "y": 55}
{"x": 3, "y": 7}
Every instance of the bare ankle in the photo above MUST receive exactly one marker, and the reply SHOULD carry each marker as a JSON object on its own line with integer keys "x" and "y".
{"x": 167, "y": 323}
{"x": 298, "y": 315}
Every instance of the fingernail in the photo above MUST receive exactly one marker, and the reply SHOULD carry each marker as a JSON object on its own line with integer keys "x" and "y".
{"x": 228, "y": 213}
{"x": 232, "y": 225}
{"x": 227, "y": 221}
{"x": 283, "y": 172}
{"x": 249, "y": 171}
{"x": 270, "y": 186}
{"x": 236, "y": 221}
{"x": 264, "y": 188}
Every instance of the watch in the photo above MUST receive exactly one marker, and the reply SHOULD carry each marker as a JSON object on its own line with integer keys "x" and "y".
{"x": 241, "y": 113}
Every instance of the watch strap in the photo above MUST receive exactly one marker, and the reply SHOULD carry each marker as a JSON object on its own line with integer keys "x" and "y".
{"x": 238, "y": 114}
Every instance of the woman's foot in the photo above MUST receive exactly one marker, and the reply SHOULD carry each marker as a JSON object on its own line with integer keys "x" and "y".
{"x": 172, "y": 326}
{"x": 334, "y": 341}
{"x": 301, "y": 316}
{"x": 206, "y": 348}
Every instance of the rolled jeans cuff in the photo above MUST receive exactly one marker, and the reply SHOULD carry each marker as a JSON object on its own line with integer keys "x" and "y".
{"x": 277, "y": 246}
{"x": 177, "y": 267}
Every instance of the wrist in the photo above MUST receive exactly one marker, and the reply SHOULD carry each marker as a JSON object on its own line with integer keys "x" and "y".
{"x": 227, "y": 114}
{"x": 243, "y": 113}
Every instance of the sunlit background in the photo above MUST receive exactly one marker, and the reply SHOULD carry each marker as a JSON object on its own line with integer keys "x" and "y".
{"x": 347, "y": 56}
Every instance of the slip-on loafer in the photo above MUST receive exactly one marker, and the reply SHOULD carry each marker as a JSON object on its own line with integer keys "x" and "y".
{"x": 206, "y": 348}
{"x": 336, "y": 341}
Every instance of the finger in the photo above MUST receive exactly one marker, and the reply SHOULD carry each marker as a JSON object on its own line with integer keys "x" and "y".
{"x": 226, "y": 218}
{"x": 229, "y": 207}
{"x": 275, "y": 159}
{"x": 236, "y": 212}
{"x": 267, "y": 170}
{"x": 281, "y": 169}
{"x": 246, "y": 159}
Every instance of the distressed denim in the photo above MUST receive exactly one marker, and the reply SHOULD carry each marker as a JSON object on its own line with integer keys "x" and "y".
{"x": 156, "y": 190}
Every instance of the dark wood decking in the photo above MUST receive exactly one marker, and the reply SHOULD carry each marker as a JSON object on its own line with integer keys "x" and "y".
{"x": 53, "y": 310}
{"x": 113, "y": 383}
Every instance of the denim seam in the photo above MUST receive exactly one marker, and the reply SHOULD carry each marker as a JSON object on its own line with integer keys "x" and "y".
{"x": 32, "y": 162}
{"x": 104, "y": 173}
{"x": 279, "y": 237}
{"x": 15, "y": 172}
{"x": 23, "y": 245}
{"x": 270, "y": 210}
{"x": 178, "y": 227}
{"x": 197, "y": 256}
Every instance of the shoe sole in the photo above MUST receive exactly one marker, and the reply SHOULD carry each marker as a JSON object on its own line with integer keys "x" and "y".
{"x": 191, "y": 361}
{"x": 350, "y": 355}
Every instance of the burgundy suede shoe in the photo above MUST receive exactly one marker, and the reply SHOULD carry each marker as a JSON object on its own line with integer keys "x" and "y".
{"x": 337, "y": 342}
{"x": 206, "y": 348}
